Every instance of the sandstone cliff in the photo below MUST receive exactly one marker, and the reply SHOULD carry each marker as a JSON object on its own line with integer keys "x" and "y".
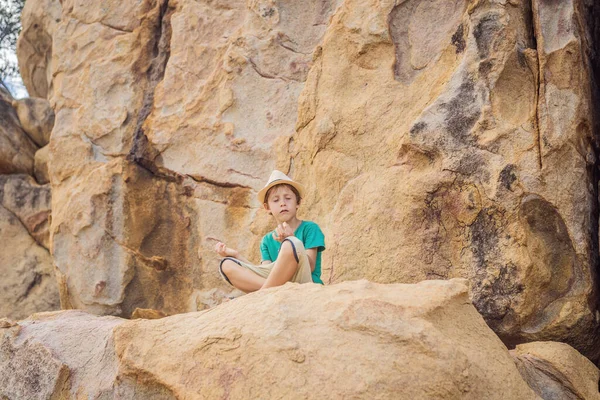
{"x": 438, "y": 139}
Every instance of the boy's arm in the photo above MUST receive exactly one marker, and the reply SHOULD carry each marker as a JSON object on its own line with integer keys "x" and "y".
{"x": 312, "y": 258}
{"x": 313, "y": 240}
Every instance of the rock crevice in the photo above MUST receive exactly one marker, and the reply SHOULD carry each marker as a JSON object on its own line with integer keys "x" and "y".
{"x": 141, "y": 151}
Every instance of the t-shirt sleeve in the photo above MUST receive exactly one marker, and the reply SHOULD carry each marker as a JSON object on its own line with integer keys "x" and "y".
{"x": 264, "y": 250}
{"x": 314, "y": 237}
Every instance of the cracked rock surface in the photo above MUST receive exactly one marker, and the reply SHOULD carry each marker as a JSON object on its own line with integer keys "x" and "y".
{"x": 366, "y": 340}
{"x": 456, "y": 139}
{"x": 437, "y": 139}
{"x": 17, "y": 150}
{"x": 557, "y": 371}
{"x": 28, "y": 283}
{"x": 168, "y": 115}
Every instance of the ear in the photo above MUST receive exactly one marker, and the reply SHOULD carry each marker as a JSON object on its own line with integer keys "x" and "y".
{"x": 266, "y": 207}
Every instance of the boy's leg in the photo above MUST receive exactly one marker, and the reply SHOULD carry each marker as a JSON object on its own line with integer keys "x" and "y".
{"x": 285, "y": 266}
{"x": 240, "y": 277}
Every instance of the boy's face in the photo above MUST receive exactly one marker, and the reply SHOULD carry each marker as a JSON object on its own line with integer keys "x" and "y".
{"x": 282, "y": 203}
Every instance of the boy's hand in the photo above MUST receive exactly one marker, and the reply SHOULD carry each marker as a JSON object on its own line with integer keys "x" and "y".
{"x": 282, "y": 231}
{"x": 225, "y": 251}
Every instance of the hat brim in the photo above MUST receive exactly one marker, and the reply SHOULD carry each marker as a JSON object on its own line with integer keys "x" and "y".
{"x": 263, "y": 192}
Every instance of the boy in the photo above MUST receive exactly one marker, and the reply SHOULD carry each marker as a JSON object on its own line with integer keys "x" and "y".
{"x": 292, "y": 252}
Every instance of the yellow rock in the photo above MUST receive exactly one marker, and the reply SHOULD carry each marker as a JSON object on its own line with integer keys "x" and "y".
{"x": 350, "y": 340}
{"x": 557, "y": 371}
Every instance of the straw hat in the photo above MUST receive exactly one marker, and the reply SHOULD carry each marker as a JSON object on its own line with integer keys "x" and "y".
{"x": 277, "y": 178}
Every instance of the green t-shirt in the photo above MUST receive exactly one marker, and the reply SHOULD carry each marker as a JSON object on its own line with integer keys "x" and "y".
{"x": 309, "y": 234}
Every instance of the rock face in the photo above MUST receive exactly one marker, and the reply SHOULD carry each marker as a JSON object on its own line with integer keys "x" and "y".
{"x": 557, "y": 371}
{"x": 30, "y": 203}
{"x": 28, "y": 282}
{"x": 366, "y": 341}
{"x": 16, "y": 148}
{"x": 455, "y": 139}
{"x": 40, "y": 165}
{"x": 437, "y": 139}
{"x": 189, "y": 103}
{"x": 34, "y": 47}
{"x": 36, "y": 117}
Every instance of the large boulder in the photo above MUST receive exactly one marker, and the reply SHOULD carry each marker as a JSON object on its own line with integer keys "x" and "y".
{"x": 34, "y": 47}
{"x": 352, "y": 340}
{"x": 16, "y": 148}
{"x": 456, "y": 137}
{"x": 28, "y": 283}
{"x": 36, "y": 117}
{"x": 557, "y": 371}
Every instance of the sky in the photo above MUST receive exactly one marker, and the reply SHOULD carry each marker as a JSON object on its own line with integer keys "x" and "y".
{"x": 15, "y": 85}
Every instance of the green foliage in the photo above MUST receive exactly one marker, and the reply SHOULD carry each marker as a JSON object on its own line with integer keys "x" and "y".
{"x": 10, "y": 26}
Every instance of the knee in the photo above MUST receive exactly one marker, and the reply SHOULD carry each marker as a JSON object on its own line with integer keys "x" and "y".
{"x": 228, "y": 266}
{"x": 288, "y": 250}
{"x": 287, "y": 247}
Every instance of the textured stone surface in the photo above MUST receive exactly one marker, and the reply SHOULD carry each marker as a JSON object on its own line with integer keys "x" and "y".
{"x": 437, "y": 139}
{"x": 28, "y": 282}
{"x": 16, "y": 148}
{"x": 166, "y": 122}
{"x": 34, "y": 47}
{"x": 30, "y": 203}
{"x": 36, "y": 118}
{"x": 557, "y": 371}
{"x": 366, "y": 341}
{"x": 40, "y": 165}
{"x": 459, "y": 144}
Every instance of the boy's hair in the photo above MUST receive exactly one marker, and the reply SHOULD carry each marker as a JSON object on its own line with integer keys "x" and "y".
{"x": 294, "y": 190}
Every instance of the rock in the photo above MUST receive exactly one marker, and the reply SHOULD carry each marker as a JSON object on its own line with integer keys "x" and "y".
{"x": 30, "y": 203}
{"x": 351, "y": 340}
{"x": 452, "y": 138}
{"x": 147, "y": 313}
{"x": 426, "y": 130}
{"x": 133, "y": 231}
{"x": 557, "y": 371}
{"x": 96, "y": 246}
{"x": 167, "y": 116}
{"x": 45, "y": 368}
{"x": 16, "y": 148}
{"x": 36, "y": 117}
{"x": 7, "y": 323}
{"x": 40, "y": 165}
{"x": 34, "y": 47}
{"x": 28, "y": 283}
{"x": 231, "y": 87}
